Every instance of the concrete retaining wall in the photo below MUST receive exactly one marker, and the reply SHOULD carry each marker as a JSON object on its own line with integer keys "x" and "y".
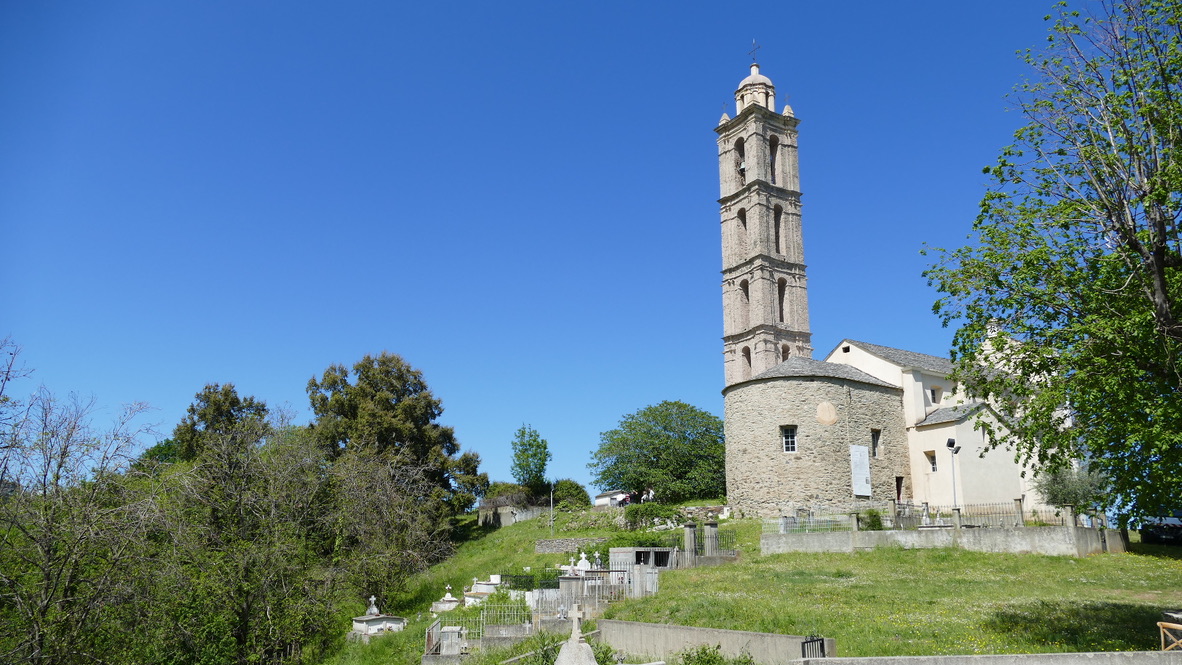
{"x": 1055, "y": 540}
{"x": 662, "y": 641}
{"x": 507, "y": 515}
{"x": 1094, "y": 658}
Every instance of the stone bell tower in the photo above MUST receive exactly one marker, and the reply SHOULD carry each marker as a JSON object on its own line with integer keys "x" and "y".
{"x": 764, "y": 299}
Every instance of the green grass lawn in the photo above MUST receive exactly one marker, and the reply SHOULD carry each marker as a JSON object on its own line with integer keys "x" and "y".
{"x": 885, "y": 602}
{"x": 926, "y": 602}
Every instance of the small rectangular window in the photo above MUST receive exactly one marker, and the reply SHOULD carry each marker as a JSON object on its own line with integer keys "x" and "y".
{"x": 788, "y": 436}
{"x": 931, "y": 455}
{"x": 935, "y": 395}
{"x": 875, "y": 437}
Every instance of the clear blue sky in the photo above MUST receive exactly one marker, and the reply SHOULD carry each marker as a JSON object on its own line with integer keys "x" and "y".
{"x": 519, "y": 198}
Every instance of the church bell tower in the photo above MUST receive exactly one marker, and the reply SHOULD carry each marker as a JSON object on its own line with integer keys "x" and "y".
{"x": 764, "y": 299}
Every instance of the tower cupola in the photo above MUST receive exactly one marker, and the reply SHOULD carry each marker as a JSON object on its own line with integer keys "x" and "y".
{"x": 755, "y": 89}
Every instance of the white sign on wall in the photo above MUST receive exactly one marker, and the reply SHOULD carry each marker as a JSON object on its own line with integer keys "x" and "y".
{"x": 860, "y": 470}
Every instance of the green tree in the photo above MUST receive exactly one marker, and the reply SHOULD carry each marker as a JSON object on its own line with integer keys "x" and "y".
{"x": 384, "y": 529}
{"x": 571, "y": 495}
{"x": 1066, "y": 300}
{"x": 672, "y": 448}
{"x": 1070, "y": 486}
{"x": 384, "y": 406}
{"x": 70, "y": 534}
{"x": 243, "y": 537}
{"x": 217, "y": 412}
{"x": 531, "y": 454}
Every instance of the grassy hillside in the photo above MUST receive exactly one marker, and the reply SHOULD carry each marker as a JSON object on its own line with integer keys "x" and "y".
{"x": 918, "y": 602}
{"x": 886, "y": 602}
{"x": 481, "y": 552}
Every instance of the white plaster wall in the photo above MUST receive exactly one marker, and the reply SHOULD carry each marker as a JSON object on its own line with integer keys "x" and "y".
{"x": 871, "y": 364}
{"x": 994, "y": 478}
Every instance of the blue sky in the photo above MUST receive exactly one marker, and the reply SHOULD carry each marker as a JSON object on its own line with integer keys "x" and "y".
{"x": 519, "y": 198}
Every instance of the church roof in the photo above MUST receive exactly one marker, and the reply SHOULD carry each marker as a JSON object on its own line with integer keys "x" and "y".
{"x": 755, "y": 78}
{"x": 949, "y": 414}
{"x": 803, "y": 367}
{"x": 933, "y": 364}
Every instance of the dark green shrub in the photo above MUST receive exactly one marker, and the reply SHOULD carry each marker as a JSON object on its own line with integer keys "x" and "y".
{"x": 711, "y": 655}
{"x": 505, "y": 494}
{"x": 871, "y": 521}
{"x": 569, "y": 493}
{"x": 642, "y": 539}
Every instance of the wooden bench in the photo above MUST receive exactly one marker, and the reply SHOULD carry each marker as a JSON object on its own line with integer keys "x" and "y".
{"x": 1171, "y": 635}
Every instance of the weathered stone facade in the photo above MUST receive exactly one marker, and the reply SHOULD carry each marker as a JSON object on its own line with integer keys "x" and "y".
{"x": 771, "y": 381}
{"x": 765, "y": 303}
{"x": 830, "y": 414}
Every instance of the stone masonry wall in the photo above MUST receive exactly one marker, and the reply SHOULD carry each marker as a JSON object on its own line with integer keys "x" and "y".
{"x": 564, "y": 545}
{"x": 830, "y": 415}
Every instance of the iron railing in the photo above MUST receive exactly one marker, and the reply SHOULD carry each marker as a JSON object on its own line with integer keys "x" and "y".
{"x": 909, "y": 516}
{"x": 813, "y": 646}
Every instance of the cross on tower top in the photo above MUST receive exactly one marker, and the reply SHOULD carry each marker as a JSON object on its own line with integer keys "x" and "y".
{"x": 754, "y": 47}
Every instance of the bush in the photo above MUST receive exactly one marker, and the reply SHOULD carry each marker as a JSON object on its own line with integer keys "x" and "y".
{"x": 505, "y": 494}
{"x": 871, "y": 521}
{"x": 571, "y": 494}
{"x": 710, "y": 655}
{"x": 639, "y": 539}
{"x": 645, "y": 515}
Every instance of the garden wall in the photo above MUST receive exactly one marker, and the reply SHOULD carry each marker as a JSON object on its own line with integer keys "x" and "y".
{"x": 663, "y": 641}
{"x": 1055, "y": 540}
{"x": 566, "y": 545}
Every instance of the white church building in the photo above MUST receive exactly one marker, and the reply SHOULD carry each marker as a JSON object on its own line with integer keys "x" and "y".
{"x": 869, "y": 422}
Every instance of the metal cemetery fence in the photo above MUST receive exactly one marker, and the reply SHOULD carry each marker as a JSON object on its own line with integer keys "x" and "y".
{"x": 725, "y": 545}
{"x": 497, "y": 620}
{"x": 542, "y": 601}
{"x": 546, "y": 578}
{"x": 875, "y": 516}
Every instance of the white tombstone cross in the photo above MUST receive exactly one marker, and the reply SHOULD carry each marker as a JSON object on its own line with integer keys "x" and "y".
{"x": 576, "y": 613}
{"x": 373, "y": 608}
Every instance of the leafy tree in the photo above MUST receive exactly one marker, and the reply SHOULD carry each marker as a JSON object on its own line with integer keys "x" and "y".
{"x": 243, "y": 535}
{"x": 1066, "y": 300}
{"x": 217, "y": 412}
{"x": 505, "y": 494}
{"x": 531, "y": 454}
{"x": 70, "y": 535}
{"x": 672, "y": 448}
{"x": 1070, "y": 486}
{"x": 385, "y": 531}
{"x": 165, "y": 451}
{"x": 571, "y": 495}
{"x": 383, "y": 406}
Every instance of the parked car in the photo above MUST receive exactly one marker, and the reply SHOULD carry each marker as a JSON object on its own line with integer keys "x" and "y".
{"x": 1167, "y": 529}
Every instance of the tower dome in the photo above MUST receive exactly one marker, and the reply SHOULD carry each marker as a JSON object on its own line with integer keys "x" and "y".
{"x": 755, "y": 89}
